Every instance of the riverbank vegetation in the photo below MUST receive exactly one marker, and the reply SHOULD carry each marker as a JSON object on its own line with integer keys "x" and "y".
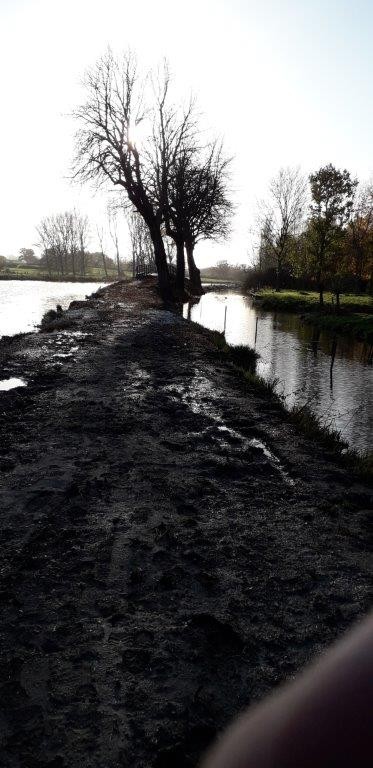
{"x": 315, "y": 235}
{"x": 315, "y": 250}
{"x": 353, "y": 316}
{"x": 309, "y": 300}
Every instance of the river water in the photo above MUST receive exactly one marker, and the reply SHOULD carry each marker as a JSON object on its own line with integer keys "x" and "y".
{"x": 299, "y": 357}
{"x": 24, "y": 302}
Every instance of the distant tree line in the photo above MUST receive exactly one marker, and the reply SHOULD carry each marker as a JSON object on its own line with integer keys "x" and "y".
{"x": 26, "y": 256}
{"x": 317, "y": 234}
{"x": 64, "y": 239}
{"x": 225, "y": 271}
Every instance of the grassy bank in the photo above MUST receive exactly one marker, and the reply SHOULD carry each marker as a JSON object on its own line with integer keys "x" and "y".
{"x": 306, "y": 422}
{"x": 355, "y": 316}
{"x": 93, "y": 274}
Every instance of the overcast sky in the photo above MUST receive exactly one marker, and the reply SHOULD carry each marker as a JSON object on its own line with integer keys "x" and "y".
{"x": 286, "y": 82}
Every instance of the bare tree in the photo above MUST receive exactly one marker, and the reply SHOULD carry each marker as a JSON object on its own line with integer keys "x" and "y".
{"x": 49, "y": 231}
{"x": 113, "y": 231}
{"x": 209, "y": 207}
{"x": 44, "y": 233}
{"x": 190, "y": 179}
{"x": 101, "y": 236}
{"x": 83, "y": 233}
{"x": 106, "y": 148}
{"x": 72, "y": 243}
{"x": 198, "y": 204}
{"x": 141, "y": 244}
{"x": 281, "y": 215}
{"x": 61, "y": 236}
{"x": 174, "y": 133}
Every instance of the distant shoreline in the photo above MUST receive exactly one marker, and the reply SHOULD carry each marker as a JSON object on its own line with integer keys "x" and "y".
{"x": 70, "y": 279}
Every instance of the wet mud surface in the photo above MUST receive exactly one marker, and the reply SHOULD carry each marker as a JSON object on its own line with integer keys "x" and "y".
{"x": 171, "y": 548}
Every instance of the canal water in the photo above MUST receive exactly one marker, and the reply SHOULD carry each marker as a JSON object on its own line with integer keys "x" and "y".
{"x": 24, "y": 302}
{"x": 334, "y": 375}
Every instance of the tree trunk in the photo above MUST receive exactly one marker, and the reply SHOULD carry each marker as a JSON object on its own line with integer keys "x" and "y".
{"x": 48, "y": 263}
{"x": 277, "y": 288}
{"x": 104, "y": 264}
{"x": 161, "y": 264}
{"x": 194, "y": 273}
{"x": 180, "y": 268}
{"x": 321, "y": 288}
{"x": 320, "y": 272}
{"x": 370, "y": 288}
{"x": 278, "y": 272}
{"x": 118, "y": 263}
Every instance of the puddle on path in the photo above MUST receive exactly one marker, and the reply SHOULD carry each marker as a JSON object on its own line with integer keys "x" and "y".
{"x": 199, "y": 396}
{"x": 6, "y": 384}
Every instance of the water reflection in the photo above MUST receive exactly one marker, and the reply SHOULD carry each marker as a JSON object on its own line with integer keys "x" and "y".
{"x": 24, "y": 302}
{"x": 331, "y": 373}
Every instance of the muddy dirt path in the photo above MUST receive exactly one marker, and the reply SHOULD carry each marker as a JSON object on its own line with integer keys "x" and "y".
{"x": 171, "y": 547}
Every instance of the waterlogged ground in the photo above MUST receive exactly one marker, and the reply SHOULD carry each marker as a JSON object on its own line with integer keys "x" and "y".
{"x": 172, "y": 548}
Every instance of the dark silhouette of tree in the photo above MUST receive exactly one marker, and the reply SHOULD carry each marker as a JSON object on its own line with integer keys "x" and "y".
{"x": 174, "y": 136}
{"x": 155, "y": 176}
{"x": 106, "y": 148}
{"x": 332, "y": 193}
{"x": 193, "y": 184}
{"x": 208, "y": 206}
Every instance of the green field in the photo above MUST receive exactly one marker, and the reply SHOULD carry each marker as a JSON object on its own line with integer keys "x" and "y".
{"x": 309, "y": 300}
{"x": 94, "y": 274}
